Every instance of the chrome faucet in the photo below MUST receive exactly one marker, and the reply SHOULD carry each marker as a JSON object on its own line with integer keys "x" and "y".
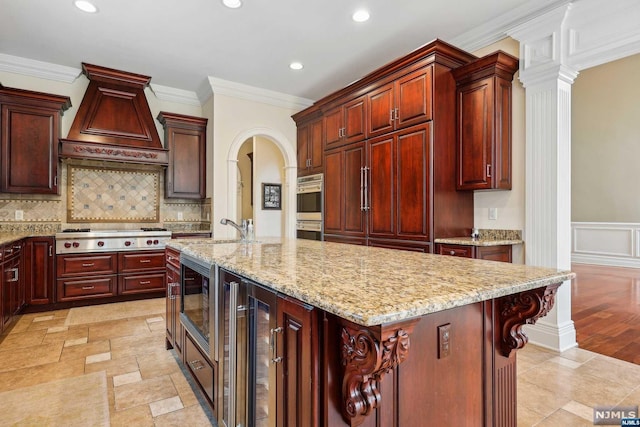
{"x": 242, "y": 230}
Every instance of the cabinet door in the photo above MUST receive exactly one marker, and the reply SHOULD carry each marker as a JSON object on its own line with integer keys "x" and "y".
{"x": 380, "y": 111}
{"x": 413, "y": 182}
{"x": 381, "y": 186}
{"x": 333, "y": 123}
{"x": 303, "y": 147}
{"x": 494, "y": 253}
{"x": 414, "y": 98}
{"x": 297, "y": 397}
{"x": 455, "y": 250}
{"x": 314, "y": 144}
{"x": 354, "y": 120}
{"x": 333, "y": 194}
{"x": 353, "y": 186}
{"x": 5, "y": 298}
{"x": 39, "y": 270}
{"x": 475, "y": 134}
{"x": 29, "y": 150}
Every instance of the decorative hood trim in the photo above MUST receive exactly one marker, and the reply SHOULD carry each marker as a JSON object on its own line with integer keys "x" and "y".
{"x": 114, "y": 121}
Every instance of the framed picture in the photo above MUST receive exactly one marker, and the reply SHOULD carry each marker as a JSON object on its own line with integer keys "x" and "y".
{"x": 272, "y": 196}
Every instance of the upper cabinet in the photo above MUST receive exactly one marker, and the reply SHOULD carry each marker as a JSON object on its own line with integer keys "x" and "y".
{"x": 484, "y": 122}
{"x": 345, "y": 123}
{"x": 405, "y": 101}
{"x": 185, "y": 137}
{"x": 29, "y": 132}
{"x": 310, "y": 152}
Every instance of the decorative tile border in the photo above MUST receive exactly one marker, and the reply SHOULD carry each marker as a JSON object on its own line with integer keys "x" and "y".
{"x": 112, "y": 195}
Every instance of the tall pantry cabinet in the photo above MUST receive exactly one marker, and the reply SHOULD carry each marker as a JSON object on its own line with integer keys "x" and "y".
{"x": 394, "y": 184}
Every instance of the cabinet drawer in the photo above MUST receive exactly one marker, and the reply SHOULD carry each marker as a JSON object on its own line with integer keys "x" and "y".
{"x": 455, "y": 250}
{"x": 76, "y": 289}
{"x": 199, "y": 366}
{"x": 139, "y": 283}
{"x": 173, "y": 257}
{"x": 140, "y": 261}
{"x": 81, "y": 265}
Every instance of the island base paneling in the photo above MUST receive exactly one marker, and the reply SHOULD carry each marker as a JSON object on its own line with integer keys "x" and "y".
{"x": 456, "y": 377}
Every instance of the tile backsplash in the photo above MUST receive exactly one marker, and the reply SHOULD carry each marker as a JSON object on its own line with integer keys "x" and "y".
{"x": 104, "y": 195}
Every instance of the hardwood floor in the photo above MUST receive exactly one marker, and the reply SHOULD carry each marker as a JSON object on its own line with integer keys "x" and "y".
{"x": 605, "y": 307}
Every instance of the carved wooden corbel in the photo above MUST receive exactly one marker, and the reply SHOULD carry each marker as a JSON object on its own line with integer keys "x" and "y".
{"x": 368, "y": 354}
{"x": 519, "y": 309}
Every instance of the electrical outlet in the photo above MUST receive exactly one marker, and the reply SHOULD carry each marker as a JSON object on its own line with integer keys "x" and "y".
{"x": 19, "y": 215}
{"x": 493, "y": 213}
{"x": 444, "y": 341}
{"x": 180, "y": 216}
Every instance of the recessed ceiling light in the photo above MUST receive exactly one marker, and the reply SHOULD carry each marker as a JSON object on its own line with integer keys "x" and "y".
{"x": 296, "y": 66}
{"x": 85, "y": 6}
{"x": 360, "y": 15}
{"x": 232, "y": 4}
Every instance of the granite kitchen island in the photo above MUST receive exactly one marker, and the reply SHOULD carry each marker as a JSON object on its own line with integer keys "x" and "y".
{"x": 377, "y": 336}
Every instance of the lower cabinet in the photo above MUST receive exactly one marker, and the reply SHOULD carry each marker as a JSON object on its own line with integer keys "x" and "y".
{"x": 200, "y": 368}
{"x": 492, "y": 253}
{"x": 39, "y": 267}
{"x": 12, "y": 284}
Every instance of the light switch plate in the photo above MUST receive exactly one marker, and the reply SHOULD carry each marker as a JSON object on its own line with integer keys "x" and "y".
{"x": 493, "y": 213}
{"x": 19, "y": 215}
{"x": 180, "y": 216}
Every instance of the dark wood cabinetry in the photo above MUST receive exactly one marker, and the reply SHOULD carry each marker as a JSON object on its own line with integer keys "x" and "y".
{"x": 86, "y": 276}
{"x": 397, "y": 186}
{"x": 12, "y": 292}
{"x": 185, "y": 137}
{"x": 141, "y": 272}
{"x": 175, "y": 332}
{"x": 484, "y": 122}
{"x": 345, "y": 123}
{"x": 491, "y": 253}
{"x": 39, "y": 267}
{"x": 29, "y": 132}
{"x": 310, "y": 148}
{"x": 405, "y": 101}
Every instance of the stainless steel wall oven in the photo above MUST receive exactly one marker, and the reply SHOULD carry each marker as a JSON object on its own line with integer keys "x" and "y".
{"x": 309, "y": 207}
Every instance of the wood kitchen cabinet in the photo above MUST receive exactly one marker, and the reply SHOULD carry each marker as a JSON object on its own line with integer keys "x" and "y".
{"x": 39, "y": 264}
{"x": 492, "y": 253}
{"x": 405, "y": 101}
{"x": 175, "y": 331}
{"x": 343, "y": 196}
{"x": 12, "y": 292}
{"x": 185, "y": 137}
{"x": 395, "y": 186}
{"x": 141, "y": 272}
{"x": 484, "y": 122}
{"x": 310, "y": 149}
{"x": 29, "y": 132}
{"x": 345, "y": 123}
{"x": 297, "y": 373}
{"x": 86, "y": 276}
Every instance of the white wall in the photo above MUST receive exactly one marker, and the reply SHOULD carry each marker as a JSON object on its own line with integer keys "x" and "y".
{"x": 510, "y": 204}
{"x": 268, "y": 168}
{"x": 245, "y": 166}
{"x": 235, "y": 119}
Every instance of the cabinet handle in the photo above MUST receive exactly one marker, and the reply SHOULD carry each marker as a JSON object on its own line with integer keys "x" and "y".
{"x": 50, "y": 250}
{"x": 272, "y": 344}
{"x": 196, "y": 365}
{"x": 488, "y": 171}
{"x": 366, "y": 189}
{"x": 8, "y": 251}
{"x": 88, "y": 288}
{"x": 145, "y": 261}
{"x": 395, "y": 113}
{"x": 89, "y": 264}
{"x": 361, "y": 189}
{"x": 391, "y": 115}
{"x": 145, "y": 282}
{"x": 55, "y": 181}
{"x": 170, "y": 292}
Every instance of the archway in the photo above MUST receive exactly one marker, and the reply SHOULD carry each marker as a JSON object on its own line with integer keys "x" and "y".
{"x": 287, "y": 150}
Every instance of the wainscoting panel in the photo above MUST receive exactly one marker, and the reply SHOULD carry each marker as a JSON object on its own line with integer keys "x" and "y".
{"x": 600, "y": 243}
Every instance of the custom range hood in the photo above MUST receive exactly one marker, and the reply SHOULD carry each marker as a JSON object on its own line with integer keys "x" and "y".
{"x": 114, "y": 121}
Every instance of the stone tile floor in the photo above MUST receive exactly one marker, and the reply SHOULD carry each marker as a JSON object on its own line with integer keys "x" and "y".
{"x": 107, "y": 365}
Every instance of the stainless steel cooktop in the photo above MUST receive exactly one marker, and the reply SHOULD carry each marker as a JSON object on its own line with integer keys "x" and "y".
{"x": 85, "y": 240}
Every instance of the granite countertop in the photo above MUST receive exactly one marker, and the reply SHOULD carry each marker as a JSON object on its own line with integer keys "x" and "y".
{"x": 369, "y": 285}
{"x": 468, "y": 241}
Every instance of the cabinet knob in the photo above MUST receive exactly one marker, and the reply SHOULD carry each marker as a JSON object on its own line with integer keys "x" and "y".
{"x": 452, "y": 252}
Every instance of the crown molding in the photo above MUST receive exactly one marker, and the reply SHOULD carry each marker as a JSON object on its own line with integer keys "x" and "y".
{"x": 43, "y": 70}
{"x": 252, "y": 93}
{"x": 171, "y": 94}
{"x": 497, "y": 29}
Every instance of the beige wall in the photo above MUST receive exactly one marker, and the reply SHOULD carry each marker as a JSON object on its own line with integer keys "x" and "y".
{"x": 245, "y": 165}
{"x": 268, "y": 168}
{"x": 510, "y": 204}
{"x": 606, "y": 143}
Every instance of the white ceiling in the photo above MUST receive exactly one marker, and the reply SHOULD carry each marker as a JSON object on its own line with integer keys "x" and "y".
{"x": 181, "y": 42}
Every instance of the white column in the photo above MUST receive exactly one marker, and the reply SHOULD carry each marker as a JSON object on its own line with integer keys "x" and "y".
{"x": 547, "y": 83}
{"x": 289, "y": 206}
